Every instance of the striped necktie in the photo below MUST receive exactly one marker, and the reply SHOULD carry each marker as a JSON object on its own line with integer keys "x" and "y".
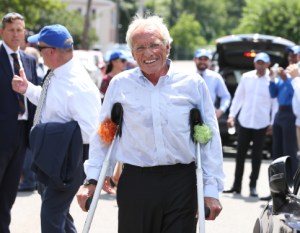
{"x": 17, "y": 72}
{"x": 42, "y": 99}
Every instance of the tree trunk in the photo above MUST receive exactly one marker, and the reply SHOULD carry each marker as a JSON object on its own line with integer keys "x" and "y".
{"x": 85, "y": 38}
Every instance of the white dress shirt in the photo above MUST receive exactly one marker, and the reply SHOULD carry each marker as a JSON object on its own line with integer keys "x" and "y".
{"x": 156, "y": 128}
{"x": 252, "y": 98}
{"x": 71, "y": 95}
{"x": 296, "y": 99}
{"x": 217, "y": 88}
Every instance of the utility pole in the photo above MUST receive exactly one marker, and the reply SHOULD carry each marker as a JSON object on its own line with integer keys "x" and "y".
{"x": 141, "y": 8}
{"x": 118, "y": 21}
{"x": 85, "y": 42}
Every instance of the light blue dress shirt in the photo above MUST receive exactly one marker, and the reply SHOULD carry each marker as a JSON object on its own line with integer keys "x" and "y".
{"x": 217, "y": 88}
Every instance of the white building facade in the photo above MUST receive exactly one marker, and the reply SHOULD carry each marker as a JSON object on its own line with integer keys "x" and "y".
{"x": 104, "y": 20}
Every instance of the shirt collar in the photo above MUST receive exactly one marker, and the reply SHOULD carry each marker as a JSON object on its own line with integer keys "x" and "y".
{"x": 169, "y": 73}
{"x": 9, "y": 50}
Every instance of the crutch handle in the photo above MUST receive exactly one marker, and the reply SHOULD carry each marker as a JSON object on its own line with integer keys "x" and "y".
{"x": 89, "y": 201}
{"x": 207, "y": 211}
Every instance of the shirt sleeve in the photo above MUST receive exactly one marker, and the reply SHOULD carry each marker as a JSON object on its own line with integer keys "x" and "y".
{"x": 33, "y": 93}
{"x": 211, "y": 153}
{"x": 238, "y": 99}
{"x": 224, "y": 94}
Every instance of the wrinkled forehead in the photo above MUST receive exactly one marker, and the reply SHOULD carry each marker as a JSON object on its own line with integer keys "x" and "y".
{"x": 146, "y": 36}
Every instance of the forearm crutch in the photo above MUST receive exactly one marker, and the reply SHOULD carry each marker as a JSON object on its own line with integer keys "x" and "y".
{"x": 203, "y": 211}
{"x": 116, "y": 117}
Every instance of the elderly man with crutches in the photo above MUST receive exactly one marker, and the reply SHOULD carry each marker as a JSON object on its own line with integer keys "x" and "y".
{"x": 157, "y": 190}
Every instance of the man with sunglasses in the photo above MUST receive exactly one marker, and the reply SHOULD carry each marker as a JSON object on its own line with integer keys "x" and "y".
{"x": 71, "y": 96}
{"x": 16, "y": 114}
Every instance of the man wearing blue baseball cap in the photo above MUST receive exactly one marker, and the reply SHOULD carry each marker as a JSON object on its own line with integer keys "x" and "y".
{"x": 293, "y": 54}
{"x": 68, "y": 94}
{"x": 293, "y": 70}
{"x": 213, "y": 80}
{"x": 284, "y": 140}
{"x": 254, "y": 109}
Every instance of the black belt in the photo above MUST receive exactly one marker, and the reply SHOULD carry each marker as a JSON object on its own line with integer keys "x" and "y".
{"x": 285, "y": 108}
{"x": 161, "y": 168}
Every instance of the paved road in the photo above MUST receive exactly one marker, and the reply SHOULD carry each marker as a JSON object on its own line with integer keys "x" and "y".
{"x": 238, "y": 215}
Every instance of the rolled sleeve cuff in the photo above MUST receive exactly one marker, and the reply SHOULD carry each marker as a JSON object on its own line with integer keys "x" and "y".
{"x": 211, "y": 191}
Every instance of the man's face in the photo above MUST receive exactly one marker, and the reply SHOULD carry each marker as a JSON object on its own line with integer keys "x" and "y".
{"x": 13, "y": 34}
{"x": 261, "y": 66}
{"x": 149, "y": 51}
{"x": 292, "y": 58}
{"x": 202, "y": 63}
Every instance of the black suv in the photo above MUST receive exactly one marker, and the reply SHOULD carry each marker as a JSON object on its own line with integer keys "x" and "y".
{"x": 234, "y": 55}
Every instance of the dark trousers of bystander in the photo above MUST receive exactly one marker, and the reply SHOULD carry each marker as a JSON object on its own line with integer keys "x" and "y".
{"x": 284, "y": 140}
{"x": 11, "y": 161}
{"x": 245, "y": 136}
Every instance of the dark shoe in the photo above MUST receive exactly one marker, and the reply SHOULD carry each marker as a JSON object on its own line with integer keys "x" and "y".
{"x": 253, "y": 192}
{"x": 233, "y": 190}
{"x": 267, "y": 198}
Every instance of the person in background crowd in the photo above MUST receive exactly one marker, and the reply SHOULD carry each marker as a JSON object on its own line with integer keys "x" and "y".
{"x": 116, "y": 64}
{"x": 284, "y": 140}
{"x": 293, "y": 71}
{"x": 16, "y": 112}
{"x": 293, "y": 54}
{"x": 214, "y": 81}
{"x": 256, "y": 110}
{"x": 284, "y": 137}
{"x": 71, "y": 96}
{"x": 156, "y": 147}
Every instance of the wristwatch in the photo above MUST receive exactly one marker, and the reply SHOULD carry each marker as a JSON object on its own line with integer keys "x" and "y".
{"x": 90, "y": 181}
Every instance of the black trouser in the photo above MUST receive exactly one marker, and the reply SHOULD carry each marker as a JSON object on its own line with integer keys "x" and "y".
{"x": 160, "y": 199}
{"x": 11, "y": 162}
{"x": 284, "y": 140}
{"x": 245, "y": 136}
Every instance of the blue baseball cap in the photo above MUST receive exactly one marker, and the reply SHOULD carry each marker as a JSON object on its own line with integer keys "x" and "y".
{"x": 117, "y": 54}
{"x": 262, "y": 57}
{"x": 294, "y": 49}
{"x": 202, "y": 53}
{"x": 55, "y": 35}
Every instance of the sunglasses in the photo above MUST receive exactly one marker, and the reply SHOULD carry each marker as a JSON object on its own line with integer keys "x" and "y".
{"x": 40, "y": 48}
{"x": 123, "y": 60}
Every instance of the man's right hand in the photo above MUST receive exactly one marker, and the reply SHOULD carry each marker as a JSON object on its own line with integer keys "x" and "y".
{"x": 83, "y": 194}
{"x": 20, "y": 83}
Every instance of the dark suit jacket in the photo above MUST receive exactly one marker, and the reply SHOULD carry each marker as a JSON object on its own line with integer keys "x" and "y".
{"x": 9, "y": 100}
{"x": 57, "y": 153}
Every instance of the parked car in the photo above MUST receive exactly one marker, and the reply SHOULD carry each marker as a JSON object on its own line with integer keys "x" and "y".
{"x": 234, "y": 55}
{"x": 282, "y": 213}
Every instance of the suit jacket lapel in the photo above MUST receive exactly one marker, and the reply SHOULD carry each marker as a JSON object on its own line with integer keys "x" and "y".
{"x": 5, "y": 64}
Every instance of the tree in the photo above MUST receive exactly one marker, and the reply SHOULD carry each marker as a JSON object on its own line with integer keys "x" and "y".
{"x": 86, "y": 28}
{"x": 272, "y": 17}
{"x": 186, "y": 34}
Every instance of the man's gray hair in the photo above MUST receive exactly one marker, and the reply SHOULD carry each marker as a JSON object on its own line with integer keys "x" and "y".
{"x": 151, "y": 21}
